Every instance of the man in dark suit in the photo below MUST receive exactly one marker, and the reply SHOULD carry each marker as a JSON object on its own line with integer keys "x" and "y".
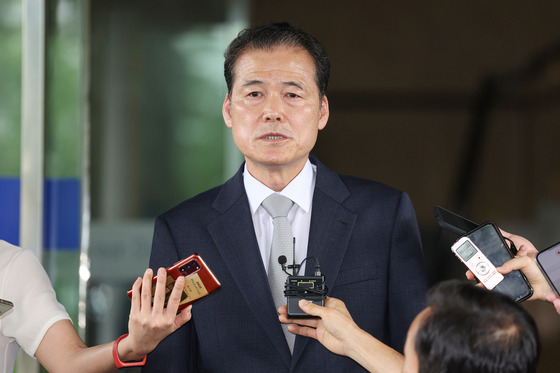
{"x": 363, "y": 233}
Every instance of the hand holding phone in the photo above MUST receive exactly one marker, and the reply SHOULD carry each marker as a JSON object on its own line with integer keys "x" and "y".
{"x": 149, "y": 321}
{"x": 490, "y": 242}
{"x": 199, "y": 280}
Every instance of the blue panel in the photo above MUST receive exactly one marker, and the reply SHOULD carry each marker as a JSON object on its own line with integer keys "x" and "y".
{"x": 62, "y": 214}
{"x": 9, "y": 209}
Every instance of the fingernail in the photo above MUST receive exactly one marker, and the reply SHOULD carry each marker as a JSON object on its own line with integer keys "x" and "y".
{"x": 303, "y": 302}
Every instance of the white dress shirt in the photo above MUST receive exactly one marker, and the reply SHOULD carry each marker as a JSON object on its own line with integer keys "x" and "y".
{"x": 299, "y": 190}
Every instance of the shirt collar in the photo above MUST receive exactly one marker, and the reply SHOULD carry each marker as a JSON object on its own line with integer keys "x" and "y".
{"x": 299, "y": 190}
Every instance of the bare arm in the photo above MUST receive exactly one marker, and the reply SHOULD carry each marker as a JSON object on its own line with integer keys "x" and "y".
{"x": 337, "y": 331}
{"x": 62, "y": 350}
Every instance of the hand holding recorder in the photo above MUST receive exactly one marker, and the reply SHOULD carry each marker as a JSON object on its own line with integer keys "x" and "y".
{"x": 493, "y": 245}
{"x": 335, "y": 329}
{"x": 527, "y": 260}
{"x": 492, "y": 250}
{"x": 332, "y": 324}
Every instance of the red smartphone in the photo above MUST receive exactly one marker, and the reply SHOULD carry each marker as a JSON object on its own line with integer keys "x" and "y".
{"x": 200, "y": 281}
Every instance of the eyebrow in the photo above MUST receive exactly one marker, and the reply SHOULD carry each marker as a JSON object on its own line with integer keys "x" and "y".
{"x": 289, "y": 83}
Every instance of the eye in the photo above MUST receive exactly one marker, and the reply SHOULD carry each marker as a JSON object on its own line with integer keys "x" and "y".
{"x": 254, "y": 94}
{"x": 292, "y": 95}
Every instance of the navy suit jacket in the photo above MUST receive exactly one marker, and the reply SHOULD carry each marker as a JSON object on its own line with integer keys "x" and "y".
{"x": 366, "y": 238}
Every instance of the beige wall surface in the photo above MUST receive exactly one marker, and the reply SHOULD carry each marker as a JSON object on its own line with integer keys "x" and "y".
{"x": 405, "y": 78}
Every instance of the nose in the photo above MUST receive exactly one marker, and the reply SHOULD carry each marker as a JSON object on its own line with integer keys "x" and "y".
{"x": 273, "y": 110}
{"x": 272, "y": 117}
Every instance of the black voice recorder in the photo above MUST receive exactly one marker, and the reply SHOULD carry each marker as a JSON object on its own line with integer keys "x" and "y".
{"x": 311, "y": 288}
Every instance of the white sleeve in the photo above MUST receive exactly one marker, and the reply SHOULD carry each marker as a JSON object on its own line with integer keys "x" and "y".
{"x": 36, "y": 308}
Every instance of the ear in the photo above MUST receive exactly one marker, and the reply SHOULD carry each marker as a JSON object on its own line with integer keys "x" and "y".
{"x": 323, "y": 113}
{"x": 226, "y": 111}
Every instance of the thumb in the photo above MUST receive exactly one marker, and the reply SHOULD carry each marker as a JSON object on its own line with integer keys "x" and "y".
{"x": 310, "y": 308}
{"x": 523, "y": 251}
{"x": 183, "y": 317}
{"x": 517, "y": 263}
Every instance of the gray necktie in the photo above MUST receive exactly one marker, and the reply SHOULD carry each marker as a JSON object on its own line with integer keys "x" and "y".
{"x": 278, "y": 207}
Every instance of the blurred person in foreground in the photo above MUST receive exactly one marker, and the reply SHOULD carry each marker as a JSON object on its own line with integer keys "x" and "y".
{"x": 40, "y": 325}
{"x": 463, "y": 329}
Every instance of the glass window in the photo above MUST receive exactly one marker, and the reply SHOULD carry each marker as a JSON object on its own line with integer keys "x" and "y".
{"x": 158, "y": 135}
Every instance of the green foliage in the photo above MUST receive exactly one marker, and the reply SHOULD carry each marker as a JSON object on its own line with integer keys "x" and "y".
{"x": 63, "y": 71}
{"x": 10, "y": 87}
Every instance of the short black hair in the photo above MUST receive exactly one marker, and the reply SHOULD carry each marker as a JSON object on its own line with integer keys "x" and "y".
{"x": 469, "y": 329}
{"x": 272, "y": 35}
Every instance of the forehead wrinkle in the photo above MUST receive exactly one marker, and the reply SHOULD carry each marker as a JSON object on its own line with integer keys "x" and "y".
{"x": 292, "y": 83}
{"x": 252, "y": 82}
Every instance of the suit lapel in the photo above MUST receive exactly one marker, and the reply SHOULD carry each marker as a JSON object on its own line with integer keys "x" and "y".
{"x": 330, "y": 231}
{"x": 234, "y": 236}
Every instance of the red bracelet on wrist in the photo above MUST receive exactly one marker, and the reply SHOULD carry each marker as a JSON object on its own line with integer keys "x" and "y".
{"x": 118, "y": 363}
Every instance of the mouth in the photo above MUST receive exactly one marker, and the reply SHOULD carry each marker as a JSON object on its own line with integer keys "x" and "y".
{"x": 273, "y": 137}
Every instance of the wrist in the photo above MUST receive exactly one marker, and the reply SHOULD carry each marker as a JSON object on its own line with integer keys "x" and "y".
{"x": 355, "y": 346}
{"x": 123, "y": 354}
{"x": 374, "y": 355}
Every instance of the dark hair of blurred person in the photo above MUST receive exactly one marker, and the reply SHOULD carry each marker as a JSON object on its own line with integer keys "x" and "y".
{"x": 470, "y": 329}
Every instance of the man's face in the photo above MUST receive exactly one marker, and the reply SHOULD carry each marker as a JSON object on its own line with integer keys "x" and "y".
{"x": 410, "y": 356}
{"x": 275, "y": 111}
